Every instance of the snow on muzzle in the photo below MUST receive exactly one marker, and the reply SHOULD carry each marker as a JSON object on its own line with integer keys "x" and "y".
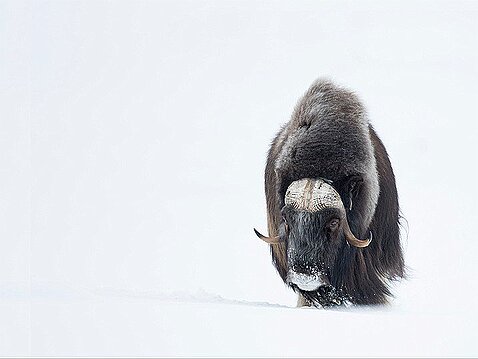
{"x": 307, "y": 282}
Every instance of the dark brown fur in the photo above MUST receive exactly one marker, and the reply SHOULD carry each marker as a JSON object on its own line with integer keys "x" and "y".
{"x": 334, "y": 140}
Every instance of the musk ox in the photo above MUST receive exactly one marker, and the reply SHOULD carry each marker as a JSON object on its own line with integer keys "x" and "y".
{"x": 332, "y": 204}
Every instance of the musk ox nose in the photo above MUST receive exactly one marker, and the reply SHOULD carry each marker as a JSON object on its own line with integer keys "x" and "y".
{"x": 303, "y": 267}
{"x": 305, "y": 276}
{"x": 307, "y": 282}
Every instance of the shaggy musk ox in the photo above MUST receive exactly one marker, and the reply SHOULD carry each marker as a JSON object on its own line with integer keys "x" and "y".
{"x": 332, "y": 204}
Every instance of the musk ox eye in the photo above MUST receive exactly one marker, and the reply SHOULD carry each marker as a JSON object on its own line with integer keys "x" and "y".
{"x": 333, "y": 225}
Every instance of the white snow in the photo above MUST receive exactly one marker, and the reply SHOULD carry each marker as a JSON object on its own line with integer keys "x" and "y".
{"x": 133, "y": 138}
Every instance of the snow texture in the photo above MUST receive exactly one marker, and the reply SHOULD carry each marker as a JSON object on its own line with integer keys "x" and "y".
{"x": 133, "y": 141}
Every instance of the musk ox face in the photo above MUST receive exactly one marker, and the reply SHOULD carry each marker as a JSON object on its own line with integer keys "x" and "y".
{"x": 313, "y": 240}
{"x": 314, "y": 227}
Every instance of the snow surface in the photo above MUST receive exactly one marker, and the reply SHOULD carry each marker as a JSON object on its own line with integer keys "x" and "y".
{"x": 133, "y": 140}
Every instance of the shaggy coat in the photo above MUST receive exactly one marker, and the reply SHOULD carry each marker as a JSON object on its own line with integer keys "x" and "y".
{"x": 329, "y": 137}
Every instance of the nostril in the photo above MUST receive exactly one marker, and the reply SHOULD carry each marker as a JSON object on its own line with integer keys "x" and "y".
{"x": 304, "y": 268}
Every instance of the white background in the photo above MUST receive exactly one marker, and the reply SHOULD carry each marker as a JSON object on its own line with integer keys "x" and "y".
{"x": 133, "y": 138}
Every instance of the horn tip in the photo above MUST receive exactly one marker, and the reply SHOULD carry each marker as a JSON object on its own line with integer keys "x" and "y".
{"x": 270, "y": 240}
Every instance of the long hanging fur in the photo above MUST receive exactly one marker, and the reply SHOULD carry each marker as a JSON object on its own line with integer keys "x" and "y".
{"x": 329, "y": 136}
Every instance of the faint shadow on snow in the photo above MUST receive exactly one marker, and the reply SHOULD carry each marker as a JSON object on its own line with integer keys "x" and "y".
{"x": 55, "y": 291}
{"x": 58, "y": 291}
{"x": 203, "y": 297}
{"x": 200, "y": 296}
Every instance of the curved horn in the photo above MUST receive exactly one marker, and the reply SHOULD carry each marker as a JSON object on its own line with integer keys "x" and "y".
{"x": 349, "y": 236}
{"x": 270, "y": 240}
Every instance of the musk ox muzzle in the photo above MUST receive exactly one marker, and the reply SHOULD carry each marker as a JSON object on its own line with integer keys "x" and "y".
{"x": 306, "y": 281}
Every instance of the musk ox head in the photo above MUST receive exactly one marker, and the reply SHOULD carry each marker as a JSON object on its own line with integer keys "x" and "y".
{"x": 314, "y": 227}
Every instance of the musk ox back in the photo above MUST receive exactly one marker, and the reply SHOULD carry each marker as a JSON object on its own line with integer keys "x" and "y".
{"x": 332, "y": 204}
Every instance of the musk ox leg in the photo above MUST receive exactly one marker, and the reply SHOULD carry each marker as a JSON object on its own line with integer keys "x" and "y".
{"x": 302, "y": 302}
